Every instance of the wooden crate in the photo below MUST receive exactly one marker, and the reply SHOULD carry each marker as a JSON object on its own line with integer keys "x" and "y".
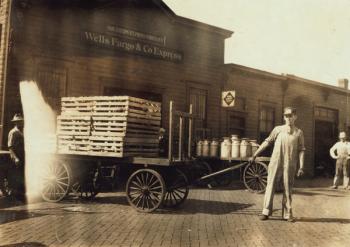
{"x": 73, "y": 143}
{"x": 109, "y": 126}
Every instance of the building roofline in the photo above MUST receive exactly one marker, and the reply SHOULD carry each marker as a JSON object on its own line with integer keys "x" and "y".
{"x": 285, "y": 77}
{"x": 193, "y": 23}
{"x": 255, "y": 71}
{"x": 316, "y": 83}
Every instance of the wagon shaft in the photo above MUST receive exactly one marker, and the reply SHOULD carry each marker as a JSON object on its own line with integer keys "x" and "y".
{"x": 232, "y": 168}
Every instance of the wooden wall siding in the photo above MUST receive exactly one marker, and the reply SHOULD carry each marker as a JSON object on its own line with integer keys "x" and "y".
{"x": 56, "y": 41}
{"x": 303, "y": 96}
{"x": 254, "y": 90}
{"x": 4, "y": 10}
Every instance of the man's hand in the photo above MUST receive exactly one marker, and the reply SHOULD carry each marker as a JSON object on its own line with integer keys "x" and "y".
{"x": 300, "y": 172}
{"x": 17, "y": 162}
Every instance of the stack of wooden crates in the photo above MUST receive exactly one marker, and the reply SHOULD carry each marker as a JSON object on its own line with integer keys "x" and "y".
{"x": 116, "y": 126}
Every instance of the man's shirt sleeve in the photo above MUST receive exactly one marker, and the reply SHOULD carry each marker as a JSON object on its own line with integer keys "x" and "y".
{"x": 301, "y": 142}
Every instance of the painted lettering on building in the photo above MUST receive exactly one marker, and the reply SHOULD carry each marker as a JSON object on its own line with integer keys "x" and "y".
{"x": 132, "y": 46}
{"x": 124, "y": 32}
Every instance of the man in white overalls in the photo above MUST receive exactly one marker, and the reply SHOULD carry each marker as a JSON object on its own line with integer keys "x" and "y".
{"x": 288, "y": 149}
{"x": 340, "y": 152}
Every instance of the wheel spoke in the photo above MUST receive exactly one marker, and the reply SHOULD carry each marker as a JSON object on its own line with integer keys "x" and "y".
{"x": 137, "y": 184}
{"x": 138, "y": 179}
{"x": 155, "y": 188}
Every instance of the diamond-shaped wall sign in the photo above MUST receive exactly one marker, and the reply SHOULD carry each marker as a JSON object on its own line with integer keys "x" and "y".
{"x": 228, "y": 98}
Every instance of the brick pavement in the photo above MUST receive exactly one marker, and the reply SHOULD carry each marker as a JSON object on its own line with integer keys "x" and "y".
{"x": 216, "y": 217}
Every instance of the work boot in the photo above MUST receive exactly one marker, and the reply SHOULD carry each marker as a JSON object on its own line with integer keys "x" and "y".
{"x": 263, "y": 217}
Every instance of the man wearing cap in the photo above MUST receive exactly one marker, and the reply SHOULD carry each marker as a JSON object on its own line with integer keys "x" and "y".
{"x": 288, "y": 149}
{"x": 340, "y": 152}
{"x": 16, "y": 148}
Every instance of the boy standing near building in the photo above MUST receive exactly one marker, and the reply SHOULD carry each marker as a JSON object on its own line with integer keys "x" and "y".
{"x": 288, "y": 150}
{"x": 340, "y": 152}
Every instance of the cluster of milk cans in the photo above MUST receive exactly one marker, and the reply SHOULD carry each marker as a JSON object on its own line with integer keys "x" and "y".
{"x": 229, "y": 148}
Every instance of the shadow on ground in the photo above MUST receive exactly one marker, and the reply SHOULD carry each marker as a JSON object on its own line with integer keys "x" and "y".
{"x": 25, "y": 244}
{"x": 193, "y": 206}
{"x": 323, "y": 220}
{"x": 322, "y": 192}
{"x": 7, "y": 216}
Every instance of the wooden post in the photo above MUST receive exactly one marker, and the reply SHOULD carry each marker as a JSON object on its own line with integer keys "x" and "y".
{"x": 170, "y": 144}
{"x": 180, "y": 136}
{"x": 190, "y": 126}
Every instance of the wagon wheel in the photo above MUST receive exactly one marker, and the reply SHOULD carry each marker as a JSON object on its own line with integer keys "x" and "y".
{"x": 177, "y": 190}
{"x": 202, "y": 169}
{"x": 89, "y": 188}
{"x": 224, "y": 179}
{"x": 87, "y": 191}
{"x": 255, "y": 177}
{"x": 5, "y": 188}
{"x": 56, "y": 182}
{"x": 145, "y": 190}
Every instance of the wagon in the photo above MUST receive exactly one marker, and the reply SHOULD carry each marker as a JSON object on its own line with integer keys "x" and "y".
{"x": 151, "y": 181}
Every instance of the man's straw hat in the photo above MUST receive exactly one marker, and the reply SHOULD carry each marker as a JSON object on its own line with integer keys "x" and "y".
{"x": 17, "y": 118}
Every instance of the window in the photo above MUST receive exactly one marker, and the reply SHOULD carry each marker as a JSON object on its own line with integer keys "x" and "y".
{"x": 236, "y": 124}
{"x": 266, "y": 125}
{"x": 198, "y": 99}
{"x": 266, "y": 121}
{"x": 326, "y": 114}
{"x": 52, "y": 84}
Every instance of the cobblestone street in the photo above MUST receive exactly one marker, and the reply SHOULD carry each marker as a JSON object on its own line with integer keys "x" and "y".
{"x": 209, "y": 217}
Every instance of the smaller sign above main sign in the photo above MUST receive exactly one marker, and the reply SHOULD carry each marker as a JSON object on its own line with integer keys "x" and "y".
{"x": 228, "y": 98}
{"x": 132, "y": 46}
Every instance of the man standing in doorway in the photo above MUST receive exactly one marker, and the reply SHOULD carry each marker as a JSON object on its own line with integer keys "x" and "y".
{"x": 288, "y": 149}
{"x": 340, "y": 152}
{"x": 16, "y": 148}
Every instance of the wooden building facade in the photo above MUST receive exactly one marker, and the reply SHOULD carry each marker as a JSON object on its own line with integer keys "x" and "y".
{"x": 323, "y": 110}
{"x": 112, "y": 47}
{"x": 142, "y": 48}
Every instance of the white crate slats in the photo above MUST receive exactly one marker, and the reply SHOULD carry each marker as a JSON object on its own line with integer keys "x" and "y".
{"x": 116, "y": 126}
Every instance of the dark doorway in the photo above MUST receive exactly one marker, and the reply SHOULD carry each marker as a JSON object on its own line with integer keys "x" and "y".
{"x": 325, "y": 137}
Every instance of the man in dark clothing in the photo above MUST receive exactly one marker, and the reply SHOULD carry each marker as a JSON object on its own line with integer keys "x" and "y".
{"x": 16, "y": 148}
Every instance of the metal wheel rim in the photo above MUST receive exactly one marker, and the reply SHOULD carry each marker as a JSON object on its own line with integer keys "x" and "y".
{"x": 145, "y": 190}
{"x": 255, "y": 177}
{"x": 177, "y": 192}
{"x": 55, "y": 182}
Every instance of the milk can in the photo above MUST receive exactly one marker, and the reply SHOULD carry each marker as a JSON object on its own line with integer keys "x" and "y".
{"x": 245, "y": 148}
{"x": 199, "y": 148}
{"x": 214, "y": 148}
{"x": 255, "y": 146}
{"x": 235, "y": 146}
{"x": 205, "y": 148}
{"x": 226, "y": 148}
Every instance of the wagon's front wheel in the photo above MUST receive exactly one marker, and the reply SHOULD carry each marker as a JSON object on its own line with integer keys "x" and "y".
{"x": 177, "y": 189}
{"x": 255, "y": 177}
{"x": 145, "y": 190}
{"x": 56, "y": 181}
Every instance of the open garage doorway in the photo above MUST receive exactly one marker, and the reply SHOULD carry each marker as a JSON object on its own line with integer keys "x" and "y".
{"x": 326, "y": 134}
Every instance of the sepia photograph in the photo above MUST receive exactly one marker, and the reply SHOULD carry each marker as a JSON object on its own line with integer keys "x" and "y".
{"x": 174, "y": 123}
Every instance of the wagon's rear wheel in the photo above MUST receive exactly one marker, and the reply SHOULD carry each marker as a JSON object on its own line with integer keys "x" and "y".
{"x": 89, "y": 187}
{"x": 145, "y": 190}
{"x": 56, "y": 181}
{"x": 202, "y": 168}
{"x": 4, "y": 187}
{"x": 176, "y": 190}
{"x": 255, "y": 177}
